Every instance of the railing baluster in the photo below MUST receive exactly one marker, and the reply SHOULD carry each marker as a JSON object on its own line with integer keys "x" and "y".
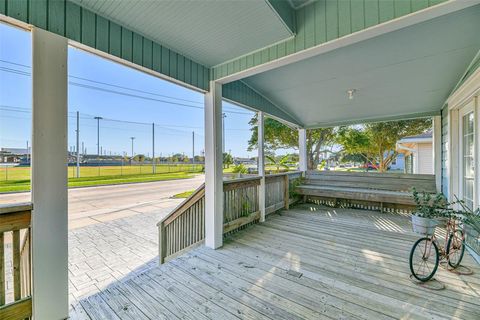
{"x": 2, "y": 270}
{"x": 16, "y": 265}
{"x": 185, "y": 226}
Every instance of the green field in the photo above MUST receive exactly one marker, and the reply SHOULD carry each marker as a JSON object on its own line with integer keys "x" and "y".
{"x": 183, "y": 195}
{"x": 16, "y": 179}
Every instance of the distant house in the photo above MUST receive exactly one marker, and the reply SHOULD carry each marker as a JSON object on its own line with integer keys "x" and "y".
{"x": 398, "y": 163}
{"x": 13, "y": 155}
{"x": 418, "y": 153}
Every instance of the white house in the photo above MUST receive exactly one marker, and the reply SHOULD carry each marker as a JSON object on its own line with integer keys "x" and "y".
{"x": 418, "y": 153}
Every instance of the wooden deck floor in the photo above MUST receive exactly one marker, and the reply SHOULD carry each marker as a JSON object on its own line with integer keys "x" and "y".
{"x": 354, "y": 264}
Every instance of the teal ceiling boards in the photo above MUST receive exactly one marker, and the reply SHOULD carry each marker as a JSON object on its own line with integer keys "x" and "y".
{"x": 208, "y": 32}
{"x": 407, "y": 72}
{"x": 320, "y": 21}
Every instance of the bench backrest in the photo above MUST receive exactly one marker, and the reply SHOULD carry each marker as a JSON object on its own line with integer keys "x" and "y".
{"x": 373, "y": 180}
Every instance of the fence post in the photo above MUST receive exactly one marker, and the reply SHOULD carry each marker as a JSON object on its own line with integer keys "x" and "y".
{"x": 162, "y": 243}
{"x": 286, "y": 189}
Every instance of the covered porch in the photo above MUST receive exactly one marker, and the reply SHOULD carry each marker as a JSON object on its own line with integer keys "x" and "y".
{"x": 240, "y": 249}
{"x": 310, "y": 262}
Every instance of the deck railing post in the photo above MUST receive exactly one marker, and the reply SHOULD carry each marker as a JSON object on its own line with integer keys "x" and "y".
{"x": 162, "y": 243}
{"x": 286, "y": 194}
{"x": 261, "y": 165}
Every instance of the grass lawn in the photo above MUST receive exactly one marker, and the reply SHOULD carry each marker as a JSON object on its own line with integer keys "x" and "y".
{"x": 182, "y": 195}
{"x": 23, "y": 173}
{"x": 24, "y": 184}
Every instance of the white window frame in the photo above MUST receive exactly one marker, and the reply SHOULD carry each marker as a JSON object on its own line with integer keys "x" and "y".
{"x": 464, "y": 99}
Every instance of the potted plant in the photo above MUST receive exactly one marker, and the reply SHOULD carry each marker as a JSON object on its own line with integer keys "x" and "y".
{"x": 429, "y": 211}
{"x": 470, "y": 219}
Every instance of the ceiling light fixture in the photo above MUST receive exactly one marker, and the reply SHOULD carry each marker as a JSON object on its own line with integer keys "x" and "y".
{"x": 350, "y": 93}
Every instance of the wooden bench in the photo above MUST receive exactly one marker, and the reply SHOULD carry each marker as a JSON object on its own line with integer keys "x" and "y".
{"x": 365, "y": 190}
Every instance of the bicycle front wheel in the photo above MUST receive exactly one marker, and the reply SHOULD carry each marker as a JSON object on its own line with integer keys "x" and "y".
{"x": 455, "y": 248}
{"x": 424, "y": 259}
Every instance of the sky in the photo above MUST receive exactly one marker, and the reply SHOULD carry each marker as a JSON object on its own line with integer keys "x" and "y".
{"x": 128, "y": 100}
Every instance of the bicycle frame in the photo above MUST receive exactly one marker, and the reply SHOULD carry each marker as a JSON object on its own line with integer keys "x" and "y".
{"x": 451, "y": 227}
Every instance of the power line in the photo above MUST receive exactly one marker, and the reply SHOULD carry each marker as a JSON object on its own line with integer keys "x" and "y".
{"x": 86, "y": 116}
{"x": 20, "y": 72}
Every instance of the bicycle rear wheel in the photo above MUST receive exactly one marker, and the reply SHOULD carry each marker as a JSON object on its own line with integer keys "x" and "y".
{"x": 455, "y": 248}
{"x": 424, "y": 259}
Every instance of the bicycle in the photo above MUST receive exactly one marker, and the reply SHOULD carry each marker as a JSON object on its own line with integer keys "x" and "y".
{"x": 426, "y": 253}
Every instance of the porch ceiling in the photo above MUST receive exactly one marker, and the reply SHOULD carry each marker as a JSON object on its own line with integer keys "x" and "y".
{"x": 405, "y": 73}
{"x": 208, "y": 32}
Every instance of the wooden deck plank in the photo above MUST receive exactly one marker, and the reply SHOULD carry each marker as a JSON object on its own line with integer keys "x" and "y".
{"x": 199, "y": 302}
{"x": 97, "y": 308}
{"x": 241, "y": 292}
{"x": 345, "y": 265}
{"x": 371, "y": 286}
{"x": 242, "y": 310}
{"x": 278, "y": 282}
{"x": 286, "y": 292}
{"x": 353, "y": 264}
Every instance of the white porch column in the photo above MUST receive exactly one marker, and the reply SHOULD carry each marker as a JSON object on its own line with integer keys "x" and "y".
{"x": 437, "y": 151}
{"x": 261, "y": 164}
{"x": 213, "y": 167}
{"x": 302, "y": 149}
{"x": 49, "y": 176}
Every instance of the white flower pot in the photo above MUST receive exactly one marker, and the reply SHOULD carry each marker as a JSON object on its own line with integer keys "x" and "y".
{"x": 424, "y": 226}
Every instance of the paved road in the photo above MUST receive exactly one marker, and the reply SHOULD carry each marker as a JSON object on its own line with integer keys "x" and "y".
{"x": 117, "y": 201}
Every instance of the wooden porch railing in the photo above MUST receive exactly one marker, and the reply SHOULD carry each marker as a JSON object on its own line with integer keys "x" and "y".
{"x": 15, "y": 283}
{"x": 184, "y": 227}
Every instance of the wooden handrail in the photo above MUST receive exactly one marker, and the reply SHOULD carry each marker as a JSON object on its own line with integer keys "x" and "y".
{"x": 15, "y": 220}
{"x": 184, "y": 205}
{"x": 184, "y": 227}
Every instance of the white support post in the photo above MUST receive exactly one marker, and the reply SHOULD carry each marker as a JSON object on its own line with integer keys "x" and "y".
{"x": 49, "y": 176}
{"x": 261, "y": 164}
{"x": 302, "y": 150}
{"x": 213, "y": 167}
{"x": 437, "y": 151}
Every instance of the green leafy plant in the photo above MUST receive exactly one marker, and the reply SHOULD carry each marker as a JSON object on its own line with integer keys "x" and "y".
{"x": 282, "y": 162}
{"x": 467, "y": 215}
{"x": 430, "y": 206}
{"x": 292, "y": 189}
{"x": 240, "y": 168}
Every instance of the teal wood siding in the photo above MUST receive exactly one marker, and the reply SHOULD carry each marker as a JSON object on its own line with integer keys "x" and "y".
{"x": 76, "y": 23}
{"x": 239, "y": 92}
{"x": 327, "y": 20}
{"x": 445, "y": 140}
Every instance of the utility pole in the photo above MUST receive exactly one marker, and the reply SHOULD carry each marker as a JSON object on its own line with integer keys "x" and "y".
{"x": 153, "y": 149}
{"x": 78, "y": 144}
{"x": 98, "y": 134}
{"x": 223, "y": 133}
{"x": 133, "y": 138}
{"x": 28, "y": 152}
{"x": 193, "y": 147}
{"x": 83, "y": 149}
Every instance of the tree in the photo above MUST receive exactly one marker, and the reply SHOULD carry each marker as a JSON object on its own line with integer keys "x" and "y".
{"x": 278, "y": 135}
{"x": 281, "y": 162}
{"x": 376, "y": 142}
{"x": 227, "y": 160}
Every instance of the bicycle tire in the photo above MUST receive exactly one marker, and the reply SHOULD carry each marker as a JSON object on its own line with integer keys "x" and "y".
{"x": 455, "y": 264}
{"x": 423, "y": 277}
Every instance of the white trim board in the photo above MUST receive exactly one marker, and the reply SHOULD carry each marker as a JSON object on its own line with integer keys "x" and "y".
{"x": 359, "y": 36}
{"x": 469, "y": 89}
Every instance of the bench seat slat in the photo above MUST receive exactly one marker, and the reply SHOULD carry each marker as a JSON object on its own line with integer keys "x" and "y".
{"x": 357, "y": 194}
